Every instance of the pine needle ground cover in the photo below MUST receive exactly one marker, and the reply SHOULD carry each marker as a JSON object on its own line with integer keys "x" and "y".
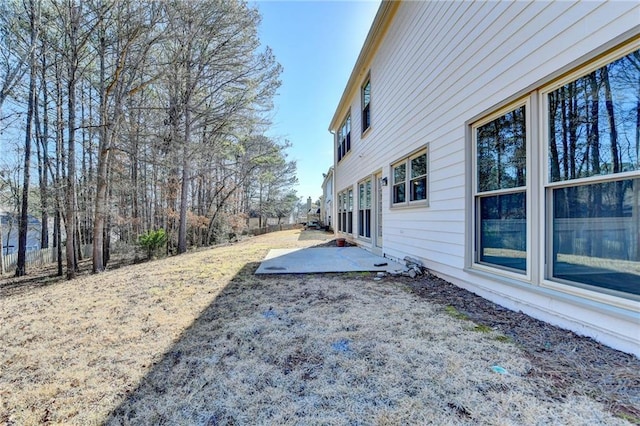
{"x": 198, "y": 339}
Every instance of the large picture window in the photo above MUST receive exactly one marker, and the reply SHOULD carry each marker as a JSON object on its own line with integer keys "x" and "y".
{"x": 410, "y": 180}
{"x": 593, "y": 178}
{"x": 500, "y": 190}
{"x": 584, "y": 221}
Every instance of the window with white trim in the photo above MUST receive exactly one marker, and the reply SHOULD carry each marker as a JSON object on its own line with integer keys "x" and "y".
{"x": 350, "y": 211}
{"x": 588, "y": 190}
{"x": 364, "y": 208}
{"x": 339, "y": 206}
{"x": 345, "y": 211}
{"x": 593, "y": 177}
{"x": 500, "y": 190}
{"x": 366, "y": 105}
{"x": 343, "y": 138}
{"x": 409, "y": 180}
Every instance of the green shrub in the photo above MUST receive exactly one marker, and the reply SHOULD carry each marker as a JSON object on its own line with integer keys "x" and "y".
{"x": 152, "y": 241}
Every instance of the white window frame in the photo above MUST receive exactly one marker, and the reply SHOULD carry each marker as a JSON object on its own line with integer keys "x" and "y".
{"x": 344, "y": 143}
{"x": 540, "y": 192}
{"x": 364, "y": 207}
{"x": 475, "y": 194}
{"x": 547, "y": 280}
{"x": 349, "y": 194}
{"x": 366, "y": 106}
{"x": 345, "y": 211}
{"x": 424, "y": 150}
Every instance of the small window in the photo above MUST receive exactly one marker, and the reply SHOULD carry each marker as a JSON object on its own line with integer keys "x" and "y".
{"x": 418, "y": 184}
{"x": 410, "y": 180}
{"x": 366, "y": 105}
{"x": 399, "y": 183}
{"x": 343, "y": 138}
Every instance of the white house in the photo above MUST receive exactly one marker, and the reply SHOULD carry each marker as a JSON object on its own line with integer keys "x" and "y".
{"x": 326, "y": 202}
{"x": 499, "y": 143}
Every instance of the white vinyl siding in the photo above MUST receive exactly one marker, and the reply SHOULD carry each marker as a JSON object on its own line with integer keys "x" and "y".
{"x": 466, "y": 70}
{"x": 459, "y": 62}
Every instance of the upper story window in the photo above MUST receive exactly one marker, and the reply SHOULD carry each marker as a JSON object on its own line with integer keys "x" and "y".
{"x": 344, "y": 138}
{"x": 366, "y": 105}
{"x": 410, "y": 179}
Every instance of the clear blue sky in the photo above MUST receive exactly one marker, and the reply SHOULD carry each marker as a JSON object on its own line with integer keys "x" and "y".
{"x": 317, "y": 43}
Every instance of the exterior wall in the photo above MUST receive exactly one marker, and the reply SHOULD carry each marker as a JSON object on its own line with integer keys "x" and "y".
{"x": 326, "y": 206}
{"x": 442, "y": 65}
{"x": 9, "y": 230}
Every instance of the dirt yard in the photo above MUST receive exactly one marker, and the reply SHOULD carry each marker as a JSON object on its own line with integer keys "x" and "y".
{"x": 198, "y": 339}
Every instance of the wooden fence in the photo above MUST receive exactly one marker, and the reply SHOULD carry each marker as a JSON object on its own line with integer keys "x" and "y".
{"x": 274, "y": 228}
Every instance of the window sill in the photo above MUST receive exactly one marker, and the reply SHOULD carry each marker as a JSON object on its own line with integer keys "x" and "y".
{"x": 343, "y": 157}
{"x": 606, "y": 305}
{"x": 609, "y": 298}
{"x": 503, "y": 272}
{"x": 410, "y": 205}
{"x": 365, "y": 133}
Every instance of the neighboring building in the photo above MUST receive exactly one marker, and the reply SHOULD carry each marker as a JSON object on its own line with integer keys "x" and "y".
{"x": 496, "y": 142}
{"x": 9, "y": 230}
{"x": 326, "y": 202}
{"x": 313, "y": 211}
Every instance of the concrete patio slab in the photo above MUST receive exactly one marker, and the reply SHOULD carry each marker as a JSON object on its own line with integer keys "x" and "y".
{"x": 324, "y": 259}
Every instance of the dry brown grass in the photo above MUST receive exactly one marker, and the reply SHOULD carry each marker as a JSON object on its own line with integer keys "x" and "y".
{"x": 198, "y": 339}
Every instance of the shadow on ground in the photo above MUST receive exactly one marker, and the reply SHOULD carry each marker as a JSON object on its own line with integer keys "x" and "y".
{"x": 224, "y": 368}
{"x": 160, "y": 396}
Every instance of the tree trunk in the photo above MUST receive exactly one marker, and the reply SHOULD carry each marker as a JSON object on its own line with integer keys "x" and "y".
{"x": 57, "y": 232}
{"x": 70, "y": 221}
{"x": 60, "y": 162}
{"x": 613, "y": 139}
{"x": 553, "y": 140}
{"x": 101, "y": 178}
{"x": 43, "y": 163}
{"x": 182, "y": 231}
{"x": 594, "y": 144}
{"x": 184, "y": 196}
{"x": 1, "y": 253}
{"x": 24, "y": 215}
